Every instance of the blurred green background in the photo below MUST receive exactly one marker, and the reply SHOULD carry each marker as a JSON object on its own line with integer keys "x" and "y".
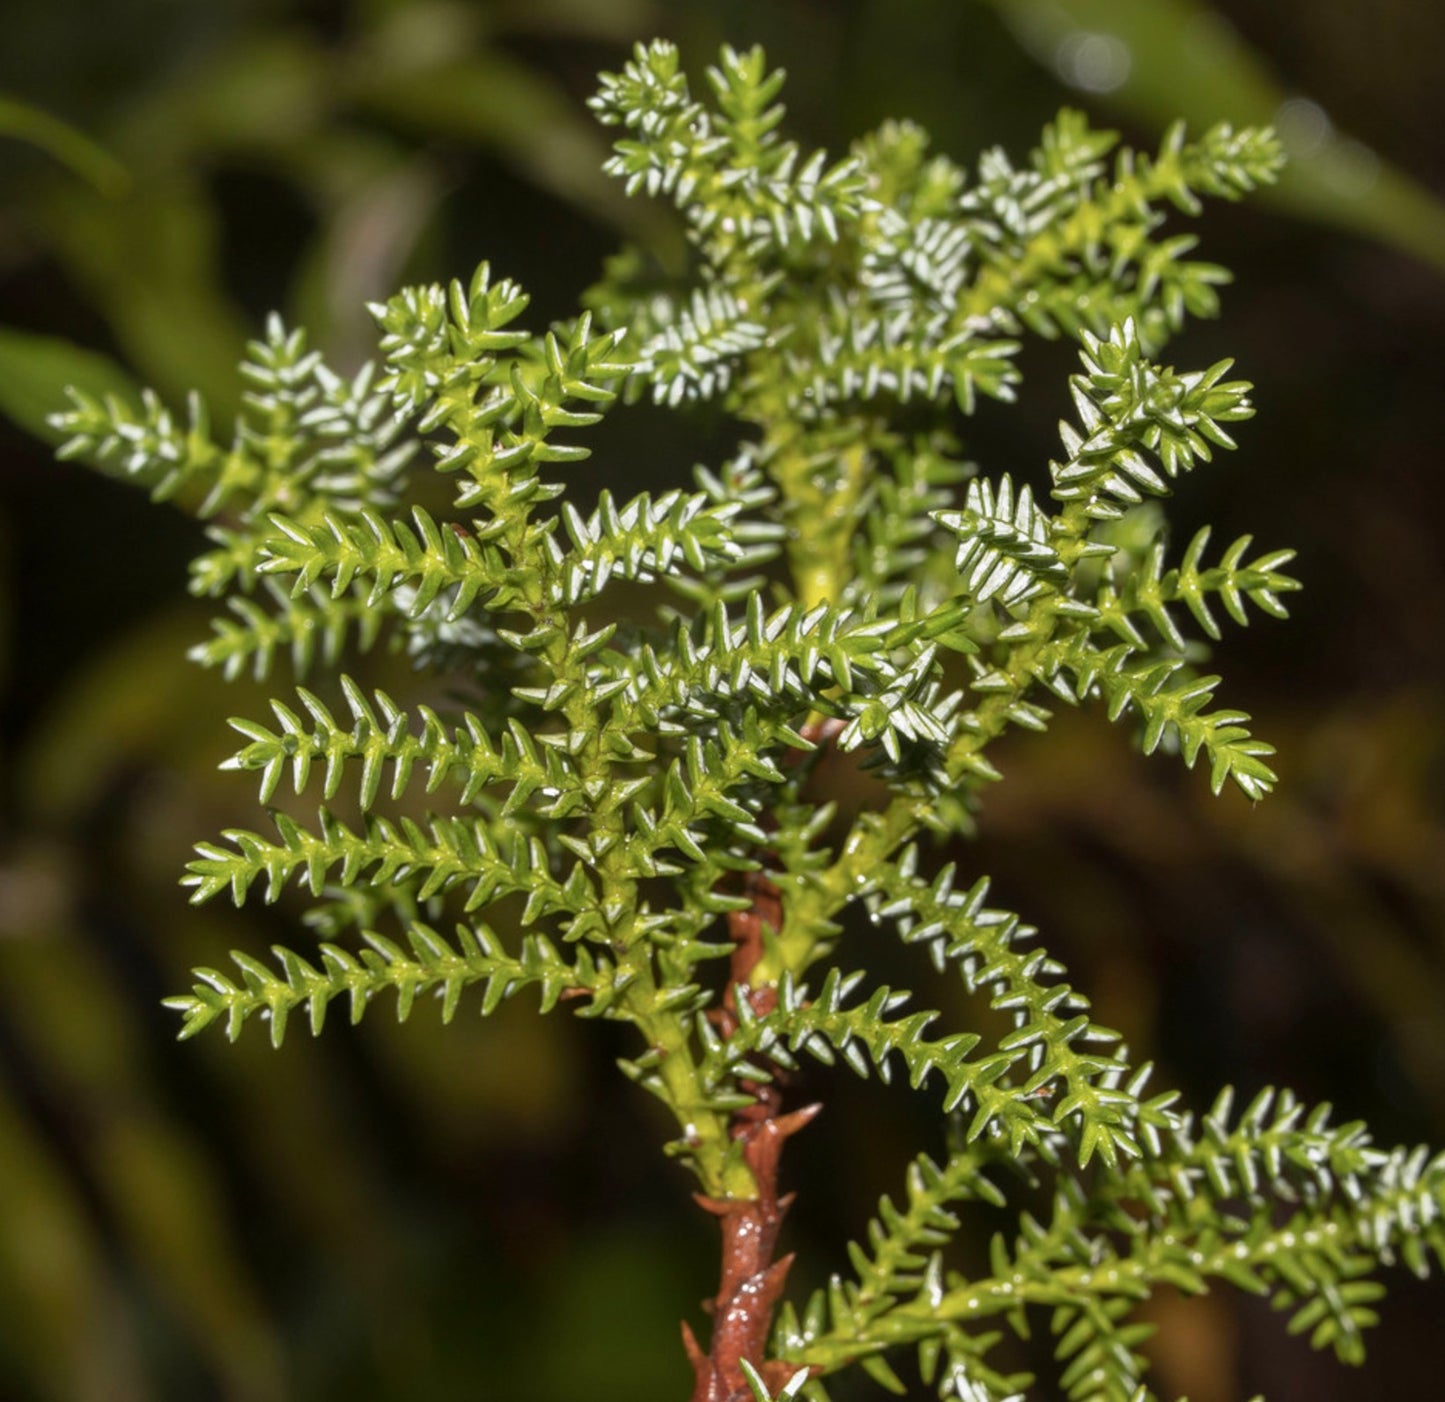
{"x": 482, "y": 1210}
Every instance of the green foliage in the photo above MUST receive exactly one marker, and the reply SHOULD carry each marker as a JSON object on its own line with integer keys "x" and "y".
{"x": 1302, "y": 1214}
{"x": 620, "y": 708}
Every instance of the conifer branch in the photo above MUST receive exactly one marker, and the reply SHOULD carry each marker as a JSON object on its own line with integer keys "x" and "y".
{"x": 744, "y": 191}
{"x": 863, "y": 1035}
{"x": 842, "y": 584}
{"x": 857, "y": 359}
{"x": 432, "y": 966}
{"x": 303, "y": 433}
{"x": 1066, "y": 244}
{"x": 1171, "y": 702}
{"x": 149, "y": 447}
{"x": 447, "y": 853}
{"x": 1003, "y": 544}
{"x": 464, "y": 566}
{"x": 1147, "y": 590}
{"x": 1139, "y": 420}
{"x": 379, "y": 736}
{"x": 300, "y": 628}
{"x": 900, "y": 1259}
{"x": 696, "y": 353}
{"x": 500, "y": 394}
{"x": 1362, "y": 1205}
{"x": 1050, "y": 1018}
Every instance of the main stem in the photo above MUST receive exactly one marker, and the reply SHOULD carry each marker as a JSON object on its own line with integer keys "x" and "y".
{"x": 753, "y": 1275}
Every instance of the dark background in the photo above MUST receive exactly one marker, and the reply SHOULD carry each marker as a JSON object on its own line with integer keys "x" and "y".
{"x": 481, "y": 1209}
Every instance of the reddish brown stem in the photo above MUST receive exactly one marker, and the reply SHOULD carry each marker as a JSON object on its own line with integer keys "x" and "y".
{"x": 752, "y": 1275}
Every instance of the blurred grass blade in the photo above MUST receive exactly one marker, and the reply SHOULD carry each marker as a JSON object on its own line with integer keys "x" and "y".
{"x": 73, "y": 149}
{"x": 151, "y": 265}
{"x": 55, "y": 1279}
{"x": 35, "y": 370}
{"x": 1158, "y": 60}
{"x": 157, "y": 1191}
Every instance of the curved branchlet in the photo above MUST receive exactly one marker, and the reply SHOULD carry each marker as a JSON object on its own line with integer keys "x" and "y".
{"x": 1069, "y": 242}
{"x": 1140, "y": 424}
{"x": 1278, "y": 1203}
{"x": 305, "y": 438}
{"x": 1171, "y": 702}
{"x": 1057, "y": 1051}
{"x": 743, "y": 189}
{"x": 609, "y": 775}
